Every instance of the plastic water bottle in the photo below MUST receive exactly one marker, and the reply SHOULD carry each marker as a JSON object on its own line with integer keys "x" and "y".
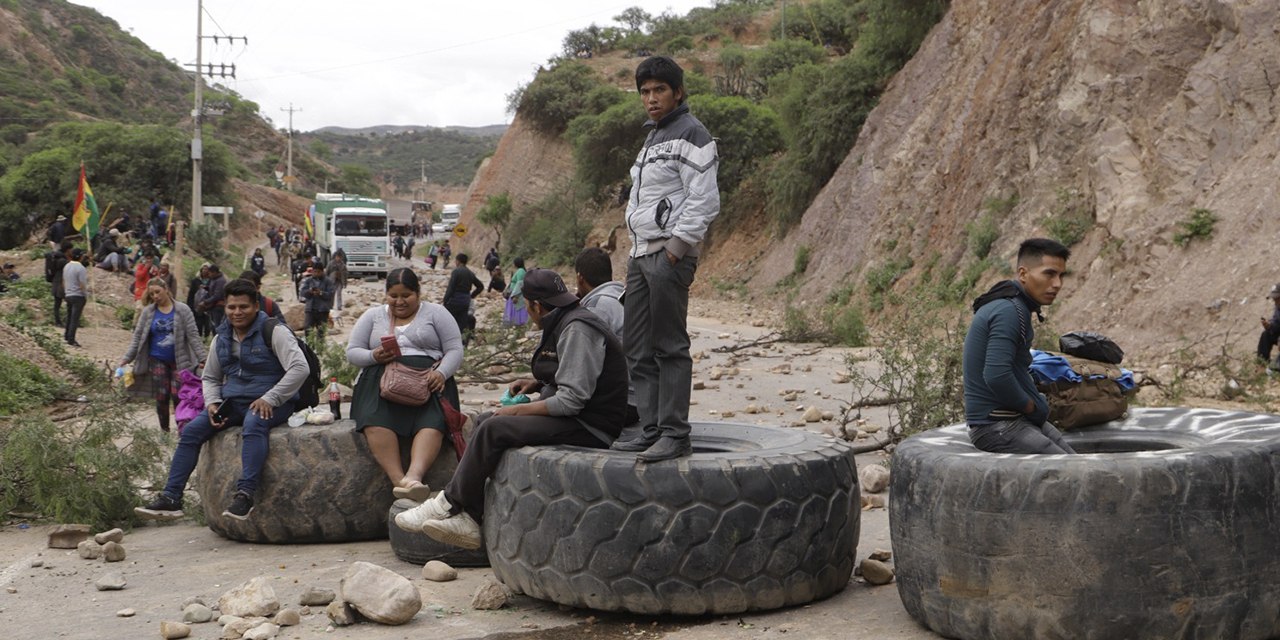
{"x": 335, "y": 399}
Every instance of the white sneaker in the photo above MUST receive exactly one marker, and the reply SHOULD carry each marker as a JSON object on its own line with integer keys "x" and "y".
{"x": 460, "y": 530}
{"x": 436, "y": 508}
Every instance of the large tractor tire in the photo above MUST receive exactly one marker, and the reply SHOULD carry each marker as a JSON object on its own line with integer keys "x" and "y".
{"x": 1164, "y": 527}
{"x": 419, "y": 548}
{"x": 757, "y": 518}
{"x": 320, "y": 484}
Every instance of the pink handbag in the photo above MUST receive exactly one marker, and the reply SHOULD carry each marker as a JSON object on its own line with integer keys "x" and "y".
{"x": 403, "y": 384}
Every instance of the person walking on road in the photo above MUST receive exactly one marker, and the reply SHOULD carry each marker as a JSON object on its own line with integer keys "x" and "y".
{"x": 75, "y": 283}
{"x": 672, "y": 206}
{"x": 165, "y": 343}
{"x": 317, "y": 293}
{"x": 215, "y": 300}
{"x": 55, "y": 261}
{"x": 516, "y": 313}
{"x": 463, "y": 287}
{"x": 337, "y": 271}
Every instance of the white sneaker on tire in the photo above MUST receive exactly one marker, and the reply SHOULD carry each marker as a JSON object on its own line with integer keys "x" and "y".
{"x": 459, "y": 530}
{"x": 436, "y": 508}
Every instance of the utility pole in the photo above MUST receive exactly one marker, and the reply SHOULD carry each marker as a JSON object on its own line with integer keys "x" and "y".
{"x": 197, "y": 113}
{"x": 288, "y": 173}
{"x": 784, "y": 21}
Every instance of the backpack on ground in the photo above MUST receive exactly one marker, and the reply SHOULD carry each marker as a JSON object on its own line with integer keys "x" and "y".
{"x": 309, "y": 394}
{"x": 1095, "y": 399}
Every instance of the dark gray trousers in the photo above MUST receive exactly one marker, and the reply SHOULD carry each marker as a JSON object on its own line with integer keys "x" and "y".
{"x": 657, "y": 341}
{"x": 1019, "y": 436}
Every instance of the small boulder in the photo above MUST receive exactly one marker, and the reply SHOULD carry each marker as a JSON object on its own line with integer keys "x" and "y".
{"x": 236, "y": 629}
{"x": 288, "y": 618}
{"x": 192, "y": 600}
{"x": 89, "y": 550}
{"x": 113, "y": 581}
{"x": 305, "y": 610}
{"x": 882, "y": 555}
{"x": 870, "y": 428}
{"x": 716, "y": 373}
{"x": 828, "y": 416}
{"x": 727, "y": 414}
{"x": 341, "y": 613}
{"x": 812, "y": 414}
{"x": 380, "y": 594}
{"x": 113, "y": 552}
{"x": 874, "y": 478}
{"x": 437, "y": 571}
{"x": 317, "y": 597}
{"x": 37, "y": 563}
{"x": 126, "y": 613}
{"x": 196, "y": 612}
{"x": 253, "y": 598}
{"x": 699, "y": 385}
{"x": 225, "y": 619}
{"x": 872, "y": 502}
{"x": 751, "y": 408}
{"x": 789, "y": 396}
{"x": 490, "y": 596}
{"x": 264, "y": 631}
{"x": 68, "y": 536}
{"x": 114, "y": 535}
{"x": 876, "y": 572}
{"x": 172, "y": 630}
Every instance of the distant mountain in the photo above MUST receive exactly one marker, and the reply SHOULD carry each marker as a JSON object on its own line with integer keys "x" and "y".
{"x": 396, "y": 129}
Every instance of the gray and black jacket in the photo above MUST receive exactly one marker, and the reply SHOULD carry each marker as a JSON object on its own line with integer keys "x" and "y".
{"x": 674, "y": 196}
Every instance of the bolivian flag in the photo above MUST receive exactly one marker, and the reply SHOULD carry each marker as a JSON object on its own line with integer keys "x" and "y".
{"x": 306, "y": 219}
{"x": 86, "y": 212}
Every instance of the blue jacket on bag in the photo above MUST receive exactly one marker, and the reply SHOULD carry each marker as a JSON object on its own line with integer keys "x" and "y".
{"x": 252, "y": 373}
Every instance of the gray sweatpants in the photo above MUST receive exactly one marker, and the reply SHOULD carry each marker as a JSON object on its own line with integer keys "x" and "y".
{"x": 656, "y": 310}
{"x": 1019, "y": 436}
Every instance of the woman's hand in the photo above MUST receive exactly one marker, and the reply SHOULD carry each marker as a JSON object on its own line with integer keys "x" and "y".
{"x": 382, "y": 356}
{"x": 435, "y": 381}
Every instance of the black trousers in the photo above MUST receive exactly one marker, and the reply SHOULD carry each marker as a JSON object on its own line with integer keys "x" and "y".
{"x": 57, "y": 310}
{"x": 460, "y": 316}
{"x": 1266, "y": 341}
{"x": 75, "y": 308}
{"x": 492, "y": 437}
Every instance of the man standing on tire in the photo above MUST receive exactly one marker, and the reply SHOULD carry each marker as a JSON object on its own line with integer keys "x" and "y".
{"x": 248, "y": 382}
{"x": 672, "y": 203}
{"x": 1004, "y": 411}
{"x": 581, "y": 372}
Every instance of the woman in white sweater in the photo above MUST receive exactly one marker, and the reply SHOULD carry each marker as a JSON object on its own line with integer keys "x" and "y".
{"x": 428, "y": 337}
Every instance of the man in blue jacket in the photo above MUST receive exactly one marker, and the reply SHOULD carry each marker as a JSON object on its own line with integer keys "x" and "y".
{"x": 673, "y": 200}
{"x": 1004, "y": 411}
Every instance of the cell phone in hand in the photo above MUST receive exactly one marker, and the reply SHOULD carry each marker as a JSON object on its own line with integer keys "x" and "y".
{"x": 391, "y": 345}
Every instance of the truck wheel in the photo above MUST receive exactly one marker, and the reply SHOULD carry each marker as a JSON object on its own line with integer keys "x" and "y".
{"x": 419, "y": 548}
{"x": 757, "y": 518}
{"x": 320, "y": 484}
{"x": 1165, "y": 528}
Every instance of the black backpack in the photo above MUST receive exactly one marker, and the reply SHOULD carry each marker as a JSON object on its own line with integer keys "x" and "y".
{"x": 50, "y": 264}
{"x": 309, "y": 394}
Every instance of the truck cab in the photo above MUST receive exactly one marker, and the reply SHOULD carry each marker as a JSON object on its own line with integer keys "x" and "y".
{"x": 357, "y": 225}
{"x": 450, "y": 215}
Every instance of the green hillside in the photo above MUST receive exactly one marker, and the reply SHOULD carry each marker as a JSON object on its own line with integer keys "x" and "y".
{"x": 451, "y": 156}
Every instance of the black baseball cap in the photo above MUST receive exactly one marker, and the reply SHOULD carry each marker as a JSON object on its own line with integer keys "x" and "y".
{"x": 545, "y": 285}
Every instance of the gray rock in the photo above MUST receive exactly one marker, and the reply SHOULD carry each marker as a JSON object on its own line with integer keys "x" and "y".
{"x": 37, "y": 563}
{"x": 812, "y": 414}
{"x": 113, "y": 581}
{"x": 236, "y": 628}
{"x": 437, "y": 571}
{"x": 380, "y": 594}
{"x": 225, "y": 620}
{"x": 288, "y": 618}
{"x": 126, "y": 613}
{"x": 67, "y": 536}
{"x": 253, "y": 598}
{"x": 113, "y": 552}
{"x": 874, "y": 478}
{"x": 883, "y": 555}
{"x": 114, "y": 535}
{"x": 341, "y": 613}
{"x": 196, "y": 612}
{"x": 192, "y": 600}
{"x": 11, "y": 589}
{"x": 489, "y": 596}
{"x": 305, "y": 610}
{"x": 172, "y": 630}
{"x": 263, "y": 631}
{"x": 876, "y": 572}
{"x": 89, "y": 550}
{"x": 317, "y": 597}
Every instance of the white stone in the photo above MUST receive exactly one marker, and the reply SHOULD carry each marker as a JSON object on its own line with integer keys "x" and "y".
{"x": 253, "y": 598}
{"x": 380, "y": 594}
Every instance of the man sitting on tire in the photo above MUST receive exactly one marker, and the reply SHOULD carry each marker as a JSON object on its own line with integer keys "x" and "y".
{"x": 1004, "y": 411}
{"x": 581, "y": 371}
{"x": 249, "y": 383}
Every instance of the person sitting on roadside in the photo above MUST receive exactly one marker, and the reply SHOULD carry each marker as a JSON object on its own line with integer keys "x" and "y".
{"x": 428, "y": 338}
{"x": 601, "y": 294}
{"x": 1270, "y": 332}
{"x": 165, "y": 343}
{"x": 268, "y": 305}
{"x": 1004, "y": 411}
{"x": 10, "y": 273}
{"x": 581, "y": 372}
{"x": 247, "y": 383}
{"x": 111, "y": 257}
{"x": 317, "y": 292}
{"x": 496, "y": 282}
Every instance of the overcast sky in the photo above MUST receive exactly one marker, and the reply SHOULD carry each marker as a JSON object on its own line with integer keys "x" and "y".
{"x": 357, "y": 64}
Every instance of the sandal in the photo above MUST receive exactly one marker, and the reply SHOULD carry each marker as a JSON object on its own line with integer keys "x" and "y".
{"x": 417, "y": 492}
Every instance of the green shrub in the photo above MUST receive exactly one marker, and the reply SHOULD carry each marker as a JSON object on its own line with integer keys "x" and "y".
{"x": 124, "y": 314}
{"x": 982, "y": 235}
{"x": 333, "y": 359}
{"x": 605, "y": 145}
{"x": 553, "y": 230}
{"x": 839, "y": 324}
{"x": 1198, "y": 225}
{"x": 556, "y": 97}
{"x": 747, "y": 132}
{"x": 205, "y": 238}
{"x": 679, "y": 45}
{"x": 801, "y": 261}
{"x": 781, "y": 56}
{"x": 1068, "y": 231}
{"x": 24, "y": 386}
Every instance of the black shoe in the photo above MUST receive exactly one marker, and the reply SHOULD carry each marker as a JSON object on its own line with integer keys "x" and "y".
{"x": 73, "y": 343}
{"x": 241, "y": 506}
{"x": 667, "y": 448}
{"x": 162, "y": 508}
{"x": 636, "y": 444}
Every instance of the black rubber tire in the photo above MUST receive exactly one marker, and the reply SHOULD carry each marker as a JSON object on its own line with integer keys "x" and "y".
{"x": 419, "y": 548}
{"x": 320, "y": 484}
{"x": 1164, "y": 529}
{"x": 757, "y": 518}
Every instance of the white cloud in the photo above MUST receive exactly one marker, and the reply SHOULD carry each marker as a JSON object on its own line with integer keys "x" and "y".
{"x": 358, "y": 64}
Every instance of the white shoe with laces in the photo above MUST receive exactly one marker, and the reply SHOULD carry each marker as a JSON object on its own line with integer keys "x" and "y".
{"x": 459, "y": 530}
{"x": 436, "y": 508}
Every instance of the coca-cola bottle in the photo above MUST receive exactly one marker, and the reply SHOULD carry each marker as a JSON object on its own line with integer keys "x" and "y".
{"x": 335, "y": 399}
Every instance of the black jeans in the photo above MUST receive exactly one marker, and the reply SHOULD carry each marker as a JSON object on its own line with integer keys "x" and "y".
{"x": 656, "y": 309}
{"x": 57, "y": 310}
{"x": 1019, "y": 436}
{"x": 1266, "y": 341}
{"x": 493, "y": 436}
{"x": 75, "y": 308}
{"x": 459, "y": 313}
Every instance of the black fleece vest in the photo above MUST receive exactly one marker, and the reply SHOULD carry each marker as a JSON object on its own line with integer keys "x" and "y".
{"x": 606, "y": 410}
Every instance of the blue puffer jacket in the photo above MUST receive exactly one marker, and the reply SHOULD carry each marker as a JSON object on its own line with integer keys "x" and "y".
{"x": 255, "y": 371}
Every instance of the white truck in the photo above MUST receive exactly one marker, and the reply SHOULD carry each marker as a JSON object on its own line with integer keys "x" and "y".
{"x": 357, "y": 225}
{"x": 450, "y": 215}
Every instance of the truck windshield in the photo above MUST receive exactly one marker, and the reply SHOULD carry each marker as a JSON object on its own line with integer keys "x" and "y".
{"x": 360, "y": 226}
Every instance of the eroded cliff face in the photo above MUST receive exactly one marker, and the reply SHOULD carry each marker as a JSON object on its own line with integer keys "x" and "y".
{"x": 1145, "y": 110}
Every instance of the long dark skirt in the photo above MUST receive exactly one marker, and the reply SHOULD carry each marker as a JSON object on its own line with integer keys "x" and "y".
{"x": 369, "y": 408}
